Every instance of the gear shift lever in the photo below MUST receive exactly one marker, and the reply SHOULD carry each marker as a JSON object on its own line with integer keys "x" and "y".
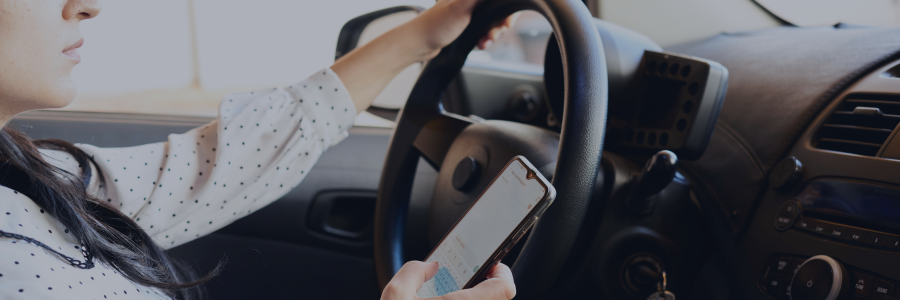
{"x": 655, "y": 176}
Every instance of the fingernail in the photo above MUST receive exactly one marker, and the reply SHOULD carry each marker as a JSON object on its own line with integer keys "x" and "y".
{"x": 488, "y": 44}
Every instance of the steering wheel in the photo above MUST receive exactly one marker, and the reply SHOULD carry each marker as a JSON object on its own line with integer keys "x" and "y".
{"x": 444, "y": 139}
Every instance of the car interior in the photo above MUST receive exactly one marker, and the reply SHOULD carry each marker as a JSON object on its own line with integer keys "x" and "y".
{"x": 726, "y": 164}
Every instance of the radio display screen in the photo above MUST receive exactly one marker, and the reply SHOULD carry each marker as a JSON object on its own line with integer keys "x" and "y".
{"x": 864, "y": 201}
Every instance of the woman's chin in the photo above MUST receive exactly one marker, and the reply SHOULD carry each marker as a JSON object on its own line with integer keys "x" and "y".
{"x": 66, "y": 94}
{"x": 60, "y": 99}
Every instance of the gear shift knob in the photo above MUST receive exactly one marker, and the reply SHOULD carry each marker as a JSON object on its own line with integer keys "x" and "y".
{"x": 655, "y": 176}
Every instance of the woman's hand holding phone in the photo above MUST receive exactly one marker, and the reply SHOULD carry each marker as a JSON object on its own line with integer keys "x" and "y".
{"x": 498, "y": 285}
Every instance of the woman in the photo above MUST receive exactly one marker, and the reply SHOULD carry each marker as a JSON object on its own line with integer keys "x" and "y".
{"x": 82, "y": 222}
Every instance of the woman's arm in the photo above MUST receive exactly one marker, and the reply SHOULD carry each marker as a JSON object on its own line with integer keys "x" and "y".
{"x": 366, "y": 70}
{"x": 261, "y": 146}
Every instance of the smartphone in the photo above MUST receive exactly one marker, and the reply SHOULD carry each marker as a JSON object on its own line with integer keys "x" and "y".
{"x": 501, "y": 215}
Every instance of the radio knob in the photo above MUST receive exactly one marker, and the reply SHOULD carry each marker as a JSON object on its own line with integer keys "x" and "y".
{"x": 820, "y": 278}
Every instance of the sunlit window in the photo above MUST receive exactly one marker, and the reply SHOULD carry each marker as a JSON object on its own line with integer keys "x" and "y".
{"x": 526, "y": 42}
{"x": 181, "y": 56}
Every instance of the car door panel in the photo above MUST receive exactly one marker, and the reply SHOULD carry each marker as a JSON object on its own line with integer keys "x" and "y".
{"x": 258, "y": 268}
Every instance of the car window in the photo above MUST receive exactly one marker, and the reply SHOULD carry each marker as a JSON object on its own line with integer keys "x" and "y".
{"x": 178, "y": 57}
{"x": 524, "y": 43}
{"x": 522, "y": 47}
{"x": 397, "y": 91}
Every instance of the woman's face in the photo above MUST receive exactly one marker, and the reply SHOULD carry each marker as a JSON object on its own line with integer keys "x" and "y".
{"x": 38, "y": 39}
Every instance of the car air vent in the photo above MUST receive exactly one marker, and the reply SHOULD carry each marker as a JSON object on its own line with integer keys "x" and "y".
{"x": 860, "y": 125}
{"x": 893, "y": 72}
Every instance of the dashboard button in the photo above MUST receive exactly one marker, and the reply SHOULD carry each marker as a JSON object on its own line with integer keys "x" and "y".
{"x": 821, "y": 228}
{"x": 882, "y": 289}
{"x": 805, "y": 224}
{"x": 774, "y": 284}
{"x": 837, "y": 231}
{"x": 786, "y": 215}
{"x": 876, "y": 239}
{"x": 856, "y": 235}
{"x": 893, "y": 242}
{"x": 783, "y": 266}
{"x": 862, "y": 283}
{"x": 820, "y": 278}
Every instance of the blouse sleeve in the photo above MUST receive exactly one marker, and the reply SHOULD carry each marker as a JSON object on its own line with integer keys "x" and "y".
{"x": 262, "y": 145}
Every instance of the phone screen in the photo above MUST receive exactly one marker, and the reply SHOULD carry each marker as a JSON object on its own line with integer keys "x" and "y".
{"x": 484, "y": 228}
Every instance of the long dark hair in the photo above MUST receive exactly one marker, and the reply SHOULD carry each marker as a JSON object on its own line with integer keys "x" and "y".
{"x": 110, "y": 236}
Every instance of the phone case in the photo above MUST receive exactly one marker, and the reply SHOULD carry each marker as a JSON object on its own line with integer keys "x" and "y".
{"x": 520, "y": 230}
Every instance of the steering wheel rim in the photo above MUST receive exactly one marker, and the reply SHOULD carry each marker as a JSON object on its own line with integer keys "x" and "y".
{"x": 424, "y": 130}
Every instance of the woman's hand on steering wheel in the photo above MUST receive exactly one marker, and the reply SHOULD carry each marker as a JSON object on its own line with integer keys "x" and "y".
{"x": 366, "y": 70}
{"x": 448, "y": 18}
{"x": 498, "y": 285}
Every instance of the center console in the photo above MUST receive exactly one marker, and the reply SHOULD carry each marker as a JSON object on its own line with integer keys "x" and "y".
{"x": 828, "y": 227}
{"x": 822, "y": 277}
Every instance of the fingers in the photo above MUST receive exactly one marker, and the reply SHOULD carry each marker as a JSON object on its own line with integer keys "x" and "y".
{"x": 488, "y": 39}
{"x": 498, "y": 286}
{"x": 501, "y": 271}
{"x": 502, "y": 274}
{"x": 511, "y": 20}
{"x": 409, "y": 279}
{"x": 414, "y": 273}
{"x": 498, "y": 30}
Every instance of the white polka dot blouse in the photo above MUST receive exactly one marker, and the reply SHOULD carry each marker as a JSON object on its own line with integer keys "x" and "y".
{"x": 262, "y": 145}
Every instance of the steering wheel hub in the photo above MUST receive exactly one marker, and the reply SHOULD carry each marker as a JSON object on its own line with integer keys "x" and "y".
{"x": 466, "y": 170}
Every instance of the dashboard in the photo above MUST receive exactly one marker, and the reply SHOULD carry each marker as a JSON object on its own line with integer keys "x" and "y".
{"x": 800, "y": 175}
{"x": 844, "y": 202}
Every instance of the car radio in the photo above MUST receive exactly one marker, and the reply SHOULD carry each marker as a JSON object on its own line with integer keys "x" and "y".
{"x": 846, "y": 211}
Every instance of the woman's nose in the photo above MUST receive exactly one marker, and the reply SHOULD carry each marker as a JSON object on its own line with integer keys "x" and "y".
{"x": 81, "y": 9}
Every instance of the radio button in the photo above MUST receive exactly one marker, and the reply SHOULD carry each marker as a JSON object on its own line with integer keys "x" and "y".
{"x": 877, "y": 239}
{"x": 821, "y": 228}
{"x": 805, "y": 224}
{"x": 820, "y": 278}
{"x": 773, "y": 284}
{"x": 786, "y": 215}
{"x": 837, "y": 231}
{"x": 783, "y": 266}
{"x": 882, "y": 289}
{"x": 893, "y": 242}
{"x": 856, "y": 235}
{"x": 861, "y": 283}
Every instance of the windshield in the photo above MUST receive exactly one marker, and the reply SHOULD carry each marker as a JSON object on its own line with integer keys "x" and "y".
{"x": 808, "y": 13}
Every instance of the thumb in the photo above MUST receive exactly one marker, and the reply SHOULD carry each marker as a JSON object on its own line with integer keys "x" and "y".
{"x": 498, "y": 286}
{"x": 409, "y": 279}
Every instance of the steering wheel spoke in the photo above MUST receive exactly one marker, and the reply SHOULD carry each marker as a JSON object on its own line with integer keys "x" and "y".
{"x": 436, "y": 136}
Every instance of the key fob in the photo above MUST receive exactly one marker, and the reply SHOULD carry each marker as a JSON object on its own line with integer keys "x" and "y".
{"x": 662, "y": 296}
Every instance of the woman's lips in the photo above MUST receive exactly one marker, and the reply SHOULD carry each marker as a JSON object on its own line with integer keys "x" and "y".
{"x": 72, "y": 51}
